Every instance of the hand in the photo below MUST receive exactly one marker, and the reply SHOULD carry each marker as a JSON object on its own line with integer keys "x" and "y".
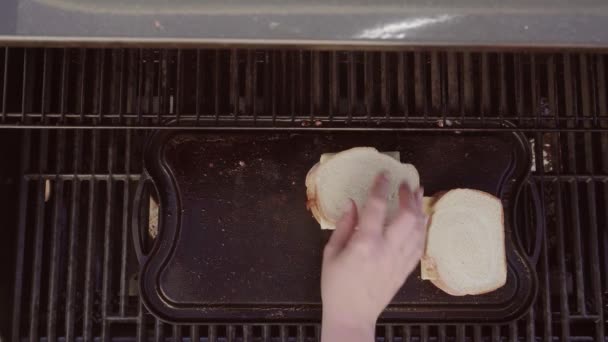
{"x": 366, "y": 261}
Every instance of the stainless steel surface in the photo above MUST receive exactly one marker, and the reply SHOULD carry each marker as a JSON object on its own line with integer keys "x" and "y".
{"x": 539, "y": 23}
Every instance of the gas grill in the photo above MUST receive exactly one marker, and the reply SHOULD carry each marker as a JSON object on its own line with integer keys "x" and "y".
{"x": 75, "y": 121}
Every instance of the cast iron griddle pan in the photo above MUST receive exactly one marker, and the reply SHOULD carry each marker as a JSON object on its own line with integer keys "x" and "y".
{"x": 236, "y": 242}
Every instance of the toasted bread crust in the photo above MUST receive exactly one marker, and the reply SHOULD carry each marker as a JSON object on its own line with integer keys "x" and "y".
{"x": 428, "y": 268}
{"x": 312, "y": 202}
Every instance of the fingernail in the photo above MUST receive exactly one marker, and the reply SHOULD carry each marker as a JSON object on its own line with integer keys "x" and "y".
{"x": 384, "y": 184}
{"x": 420, "y": 193}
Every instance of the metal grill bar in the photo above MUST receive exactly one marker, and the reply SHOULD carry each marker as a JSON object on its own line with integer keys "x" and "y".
{"x": 561, "y": 246}
{"x": 386, "y": 85}
{"x": 513, "y": 332}
{"x": 234, "y": 82}
{"x": 424, "y": 333}
{"x": 149, "y": 87}
{"x": 121, "y": 177}
{"x": 436, "y": 84}
{"x": 299, "y": 98}
{"x": 125, "y": 228}
{"x": 477, "y": 333}
{"x": 518, "y": 84}
{"x": 420, "y": 84}
{"x": 368, "y": 79}
{"x": 91, "y": 248}
{"x": 596, "y": 283}
{"x": 530, "y": 326}
{"x": 65, "y": 72}
{"x": 604, "y": 241}
{"x": 24, "y": 83}
{"x": 19, "y": 259}
{"x": 38, "y": 240}
{"x": 534, "y": 88}
{"x": 177, "y": 333}
{"x": 460, "y": 333}
{"x": 467, "y": 81}
{"x": 269, "y": 84}
{"x": 545, "y": 283}
{"x": 82, "y": 81}
{"x": 231, "y": 333}
{"x": 5, "y": 83}
{"x": 216, "y": 86}
{"x": 266, "y": 333}
{"x": 561, "y": 122}
{"x": 144, "y": 82}
{"x": 485, "y": 86}
{"x": 442, "y": 333}
{"x": 578, "y": 267}
{"x": 212, "y": 333}
{"x": 352, "y": 85}
{"x": 314, "y": 85}
{"x": 552, "y": 90}
{"x": 407, "y": 332}
{"x": 98, "y": 103}
{"x": 250, "y": 83}
{"x": 72, "y": 254}
{"x": 54, "y": 254}
{"x": 45, "y": 81}
{"x": 198, "y": 85}
{"x": 158, "y": 331}
{"x": 167, "y": 106}
{"x": 194, "y": 333}
{"x": 141, "y": 323}
{"x": 401, "y": 91}
{"x": 453, "y": 92}
{"x": 178, "y": 86}
{"x": 107, "y": 240}
{"x": 502, "y": 107}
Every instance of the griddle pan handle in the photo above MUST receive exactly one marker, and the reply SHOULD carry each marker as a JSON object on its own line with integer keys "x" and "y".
{"x": 540, "y": 222}
{"x": 138, "y": 232}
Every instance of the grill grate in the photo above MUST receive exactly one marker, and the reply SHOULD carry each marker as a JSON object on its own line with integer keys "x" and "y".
{"x": 73, "y": 267}
{"x": 160, "y": 88}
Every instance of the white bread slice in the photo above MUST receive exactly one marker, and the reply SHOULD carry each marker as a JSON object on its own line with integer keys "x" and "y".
{"x": 393, "y": 154}
{"x": 349, "y": 175}
{"x": 465, "y": 248}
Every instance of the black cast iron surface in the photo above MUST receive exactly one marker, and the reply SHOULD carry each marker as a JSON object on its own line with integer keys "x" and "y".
{"x": 237, "y": 242}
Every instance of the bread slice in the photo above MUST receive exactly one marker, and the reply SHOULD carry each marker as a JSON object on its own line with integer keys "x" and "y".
{"x": 465, "y": 248}
{"x": 393, "y": 154}
{"x": 349, "y": 174}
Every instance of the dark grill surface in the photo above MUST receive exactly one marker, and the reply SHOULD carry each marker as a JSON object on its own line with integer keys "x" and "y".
{"x": 66, "y": 195}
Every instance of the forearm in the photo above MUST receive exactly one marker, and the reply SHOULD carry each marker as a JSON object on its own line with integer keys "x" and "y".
{"x": 335, "y": 329}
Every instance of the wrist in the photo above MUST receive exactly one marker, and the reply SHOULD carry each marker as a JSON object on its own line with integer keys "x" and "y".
{"x": 336, "y": 327}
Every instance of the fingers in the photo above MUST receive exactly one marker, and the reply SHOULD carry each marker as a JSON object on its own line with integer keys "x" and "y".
{"x": 344, "y": 229}
{"x": 373, "y": 213}
{"x": 409, "y": 226}
{"x": 410, "y": 200}
{"x": 419, "y": 195}
{"x": 406, "y": 197}
{"x": 405, "y": 227}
